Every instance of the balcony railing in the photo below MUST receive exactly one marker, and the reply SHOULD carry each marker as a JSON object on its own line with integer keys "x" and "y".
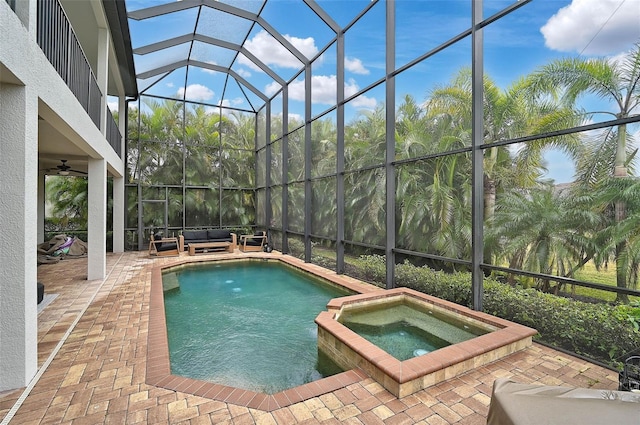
{"x": 60, "y": 45}
{"x": 113, "y": 134}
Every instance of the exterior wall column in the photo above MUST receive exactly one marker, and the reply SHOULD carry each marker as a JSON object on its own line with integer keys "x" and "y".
{"x": 97, "y": 219}
{"x": 118, "y": 214}
{"x": 41, "y": 206}
{"x": 18, "y": 198}
{"x": 118, "y": 183}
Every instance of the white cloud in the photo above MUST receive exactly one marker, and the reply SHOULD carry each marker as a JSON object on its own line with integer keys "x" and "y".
{"x": 215, "y": 110}
{"x": 243, "y": 60}
{"x": 223, "y": 105}
{"x": 323, "y": 91}
{"x": 364, "y": 102}
{"x": 296, "y": 117}
{"x": 170, "y": 85}
{"x": 225, "y": 110}
{"x": 350, "y": 88}
{"x": 272, "y": 88}
{"x": 231, "y": 102}
{"x": 244, "y": 73}
{"x": 211, "y": 110}
{"x": 113, "y": 106}
{"x": 272, "y": 53}
{"x": 196, "y": 92}
{"x": 306, "y": 46}
{"x": 292, "y": 117}
{"x": 594, "y": 27}
{"x": 355, "y": 65}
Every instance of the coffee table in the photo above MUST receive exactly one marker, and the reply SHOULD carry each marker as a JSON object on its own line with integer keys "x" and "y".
{"x": 203, "y": 247}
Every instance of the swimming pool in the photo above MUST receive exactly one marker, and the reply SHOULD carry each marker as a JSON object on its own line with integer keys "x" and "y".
{"x": 246, "y": 324}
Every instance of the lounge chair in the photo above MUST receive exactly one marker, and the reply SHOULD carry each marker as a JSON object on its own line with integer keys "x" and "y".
{"x": 163, "y": 247}
{"x": 514, "y": 403}
{"x": 255, "y": 242}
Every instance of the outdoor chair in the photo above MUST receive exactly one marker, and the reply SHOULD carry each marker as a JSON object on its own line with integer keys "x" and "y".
{"x": 255, "y": 242}
{"x": 629, "y": 377}
{"x": 163, "y": 247}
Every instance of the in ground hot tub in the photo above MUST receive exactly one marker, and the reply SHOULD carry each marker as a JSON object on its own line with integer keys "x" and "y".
{"x": 408, "y": 341}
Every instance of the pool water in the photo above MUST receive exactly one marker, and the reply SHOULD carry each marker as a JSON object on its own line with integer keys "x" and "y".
{"x": 247, "y": 324}
{"x": 406, "y": 332}
{"x": 400, "y": 339}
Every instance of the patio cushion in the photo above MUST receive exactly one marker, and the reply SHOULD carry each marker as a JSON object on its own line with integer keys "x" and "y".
{"x": 218, "y": 234}
{"x": 157, "y": 238}
{"x": 255, "y": 241}
{"x": 195, "y": 235}
{"x": 167, "y": 246}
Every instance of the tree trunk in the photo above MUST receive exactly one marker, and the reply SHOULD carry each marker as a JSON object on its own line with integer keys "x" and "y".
{"x": 620, "y": 172}
{"x": 489, "y": 210}
{"x": 621, "y": 247}
{"x": 621, "y": 273}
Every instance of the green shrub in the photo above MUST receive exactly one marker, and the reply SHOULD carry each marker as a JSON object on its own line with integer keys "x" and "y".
{"x": 592, "y": 330}
{"x": 629, "y": 312}
{"x": 373, "y": 269}
{"x": 601, "y": 332}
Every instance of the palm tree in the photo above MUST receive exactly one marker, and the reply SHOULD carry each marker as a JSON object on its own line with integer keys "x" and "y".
{"x": 68, "y": 197}
{"x": 608, "y": 193}
{"x": 323, "y": 147}
{"x": 365, "y": 146}
{"x": 434, "y": 206}
{"x": 619, "y": 83}
{"x": 433, "y": 196}
{"x": 365, "y": 139}
{"x": 543, "y": 230}
{"x": 507, "y": 114}
{"x": 158, "y": 157}
{"x": 237, "y": 150}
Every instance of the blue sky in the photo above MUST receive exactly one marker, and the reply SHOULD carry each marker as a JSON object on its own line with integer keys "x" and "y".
{"x": 535, "y": 34}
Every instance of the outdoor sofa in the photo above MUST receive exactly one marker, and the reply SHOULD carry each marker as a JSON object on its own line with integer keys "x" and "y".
{"x": 205, "y": 236}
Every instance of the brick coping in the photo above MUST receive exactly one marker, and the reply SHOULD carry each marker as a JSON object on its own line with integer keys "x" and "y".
{"x": 158, "y": 362}
{"x": 403, "y": 378}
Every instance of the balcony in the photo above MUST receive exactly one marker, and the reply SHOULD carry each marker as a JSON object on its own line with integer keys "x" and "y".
{"x": 60, "y": 45}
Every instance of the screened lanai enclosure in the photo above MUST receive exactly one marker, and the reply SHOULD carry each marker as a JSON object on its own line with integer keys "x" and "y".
{"x": 460, "y": 135}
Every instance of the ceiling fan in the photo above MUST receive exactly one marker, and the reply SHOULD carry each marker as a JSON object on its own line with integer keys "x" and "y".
{"x": 64, "y": 169}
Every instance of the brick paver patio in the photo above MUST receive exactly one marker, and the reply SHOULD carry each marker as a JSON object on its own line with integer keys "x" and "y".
{"x": 98, "y": 332}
